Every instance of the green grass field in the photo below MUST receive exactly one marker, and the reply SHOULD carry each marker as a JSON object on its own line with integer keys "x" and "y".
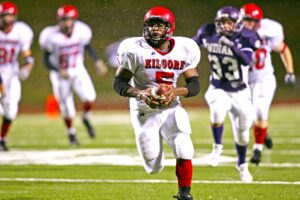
{"x": 41, "y": 164}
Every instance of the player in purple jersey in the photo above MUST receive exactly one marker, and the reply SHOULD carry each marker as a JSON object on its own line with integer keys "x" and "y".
{"x": 230, "y": 48}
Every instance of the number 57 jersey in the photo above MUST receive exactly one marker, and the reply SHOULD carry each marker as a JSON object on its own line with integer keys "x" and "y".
{"x": 227, "y": 71}
{"x": 150, "y": 66}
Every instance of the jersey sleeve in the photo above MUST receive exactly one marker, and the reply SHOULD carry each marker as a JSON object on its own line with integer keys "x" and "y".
{"x": 278, "y": 35}
{"x": 44, "y": 40}
{"x": 86, "y": 32}
{"x": 194, "y": 55}
{"x": 126, "y": 57}
{"x": 204, "y": 30}
{"x": 26, "y": 37}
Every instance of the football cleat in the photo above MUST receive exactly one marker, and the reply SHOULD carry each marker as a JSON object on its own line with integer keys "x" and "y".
{"x": 244, "y": 173}
{"x": 181, "y": 196}
{"x": 73, "y": 140}
{"x": 90, "y": 129}
{"x": 268, "y": 141}
{"x": 256, "y": 158}
{"x": 215, "y": 155}
{"x": 3, "y": 146}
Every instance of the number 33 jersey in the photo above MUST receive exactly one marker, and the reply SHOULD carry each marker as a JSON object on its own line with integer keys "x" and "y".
{"x": 150, "y": 66}
{"x": 19, "y": 39}
{"x": 227, "y": 72}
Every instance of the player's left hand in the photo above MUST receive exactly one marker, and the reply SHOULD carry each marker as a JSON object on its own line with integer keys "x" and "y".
{"x": 170, "y": 95}
{"x": 290, "y": 79}
{"x": 24, "y": 73}
{"x": 101, "y": 67}
{"x": 225, "y": 41}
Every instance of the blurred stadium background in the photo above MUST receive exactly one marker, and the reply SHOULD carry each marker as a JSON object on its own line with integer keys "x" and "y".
{"x": 115, "y": 19}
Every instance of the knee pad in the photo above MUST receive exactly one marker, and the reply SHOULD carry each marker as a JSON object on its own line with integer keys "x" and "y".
{"x": 153, "y": 166}
{"x": 242, "y": 137}
{"x": 183, "y": 147}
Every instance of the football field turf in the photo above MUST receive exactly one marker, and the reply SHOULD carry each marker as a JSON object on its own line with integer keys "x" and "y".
{"x": 41, "y": 164}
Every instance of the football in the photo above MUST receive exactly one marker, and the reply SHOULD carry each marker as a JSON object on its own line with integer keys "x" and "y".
{"x": 159, "y": 91}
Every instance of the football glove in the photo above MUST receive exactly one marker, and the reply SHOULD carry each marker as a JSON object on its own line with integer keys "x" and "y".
{"x": 290, "y": 79}
{"x": 23, "y": 73}
{"x": 225, "y": 41}
{"x": 101, "y": 68}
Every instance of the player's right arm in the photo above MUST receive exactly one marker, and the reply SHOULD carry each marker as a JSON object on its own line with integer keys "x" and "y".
{"x": 122, "y": 87}
{"x": 287, "y": 60}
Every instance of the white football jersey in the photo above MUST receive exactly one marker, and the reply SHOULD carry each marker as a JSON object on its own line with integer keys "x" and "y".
{"x": 150, "y": 66}
{"x": 271, "y": 34}
{"x": 66, "y": 52}
{"x": 19, "y": 39}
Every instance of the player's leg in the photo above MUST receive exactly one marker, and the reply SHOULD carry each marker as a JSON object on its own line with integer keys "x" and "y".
{"x": 84, "y": 88}
{"x": 9, "y": 105}
{"x": 176, "y": 130}
{"x": 148, "y": 139}
{"x": 219, "y": 104}
{"x": 241, "y": 119}
{"x": 63, "y": 93}
{"x": 262, "y": 95}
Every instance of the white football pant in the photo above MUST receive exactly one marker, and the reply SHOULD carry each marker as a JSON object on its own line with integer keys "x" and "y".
{"x": 239, "y": 106}
{"x": 9, "y": 103}
{"x": 151, "y": 128}
{"x": 262, "y": 95}
{"x": 63, "y": 89}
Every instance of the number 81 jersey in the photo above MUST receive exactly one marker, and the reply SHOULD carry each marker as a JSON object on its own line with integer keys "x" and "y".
{"x": 150, "y": 66}
{"x": 227, "y": 72}
{"x": 19, "y": 39}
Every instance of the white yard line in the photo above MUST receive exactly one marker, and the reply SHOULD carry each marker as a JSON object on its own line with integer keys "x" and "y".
{"x": 63, "y": 180}
{"x": 118, "y": 157}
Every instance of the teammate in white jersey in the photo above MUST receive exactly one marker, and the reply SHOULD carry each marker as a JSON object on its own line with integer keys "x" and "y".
{"x": 64, "y": 46}
{"x": 159, "y": 58}
{"x": 261, "y": 76}
{"x": 15, "y": 39}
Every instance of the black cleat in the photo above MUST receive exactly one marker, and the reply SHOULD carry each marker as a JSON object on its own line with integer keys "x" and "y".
{"x": 181, "y": 196}
{"x": 256, "y": 157}
{"x": 3, "y": 146}
{"x": 268, "y": 141}
{"x": 73, "y": 140}
{"x": 90, "y": 129}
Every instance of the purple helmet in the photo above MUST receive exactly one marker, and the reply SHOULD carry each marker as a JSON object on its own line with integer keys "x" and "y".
{"x": 231, "y": 13}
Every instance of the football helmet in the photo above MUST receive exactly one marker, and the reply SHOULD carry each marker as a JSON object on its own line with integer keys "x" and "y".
{"x": 252, "y": 11}
{"x": 8, "y": 8}
{"x": 228, "y": 13}
{"x": 67, "y": 11}
{"x": 158, "y": 14}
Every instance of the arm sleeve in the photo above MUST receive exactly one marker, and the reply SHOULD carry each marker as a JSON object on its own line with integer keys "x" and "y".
{"x": 92, "y": 52}
{"x": 48, "y": 64}
{"x": 121, "y": 85}
{"x": 244, "y": 57}
{"x": 193, "y": 86}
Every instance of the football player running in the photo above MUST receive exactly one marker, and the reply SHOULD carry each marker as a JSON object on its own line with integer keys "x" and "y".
{"x": 230, "y": 47}
{"x": 261, "y": 76}
{"x": 160, "y": 58}
{"x": 64, "y": 46}
{"x": 15, "y": 39}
